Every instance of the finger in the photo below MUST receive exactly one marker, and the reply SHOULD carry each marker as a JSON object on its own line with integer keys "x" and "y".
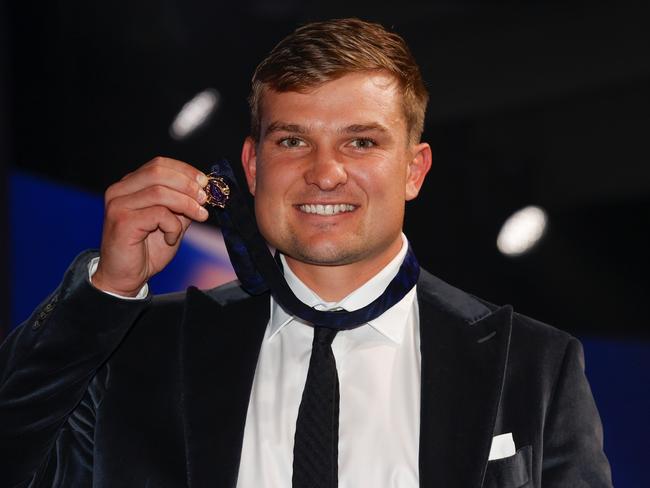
{"x": 172, "y": 163}
{"x": 172, "y": 173}
{"x": 143, "y": 222}
{"x": 152, "y": 176}
{"x": 158, "y": 195}
{"x": 126, "y": 176}
{"x": 185, "y": 222}
{"x": 171, "y": 226}
{"x": 180, "y": 166}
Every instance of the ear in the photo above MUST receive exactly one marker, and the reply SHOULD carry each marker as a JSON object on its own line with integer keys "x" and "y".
{"x": 417, "y": 169}
{"x": 249, "y": 162}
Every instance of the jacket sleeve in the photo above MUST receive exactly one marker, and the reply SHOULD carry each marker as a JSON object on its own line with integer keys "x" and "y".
{"x": 48, "y": 382}
{"x": 573, "y": 434}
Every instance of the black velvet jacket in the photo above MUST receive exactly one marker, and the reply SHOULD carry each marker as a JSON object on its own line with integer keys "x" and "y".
{"x": 99, "y": 391}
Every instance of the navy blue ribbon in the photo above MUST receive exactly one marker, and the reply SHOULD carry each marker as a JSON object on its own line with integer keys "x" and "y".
{"x": 258, "y": 272}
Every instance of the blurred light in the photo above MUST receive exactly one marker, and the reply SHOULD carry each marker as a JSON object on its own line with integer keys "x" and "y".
{"x": 208, "y": 240}
{"x": 194, "y": 113}
{"x": 522, "y": 231}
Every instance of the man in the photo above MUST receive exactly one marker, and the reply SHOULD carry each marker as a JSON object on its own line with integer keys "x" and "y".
{"x": 215, "y": 388}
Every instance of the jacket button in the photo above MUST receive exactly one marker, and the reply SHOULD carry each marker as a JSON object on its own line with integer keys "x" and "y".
{"x": 47, "y": 309}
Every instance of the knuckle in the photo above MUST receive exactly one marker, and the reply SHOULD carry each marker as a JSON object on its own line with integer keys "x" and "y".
{"x": 114, "y": 211}
{"x": 190, "y": 206}
{"x": 109, "y": 193}
{"x": 198, "y": 209}
{"x": 157, "y": 191}
{"x": 155, "y": 171}
{"x": 192, "y": 188}
{"x": 159, "y": 212}
{"x": 176, "y": 225}
{"x": 156, "y": 161}
{"x": 110, "y": 208}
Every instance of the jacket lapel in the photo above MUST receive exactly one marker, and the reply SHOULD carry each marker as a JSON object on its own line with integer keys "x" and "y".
{"x": 464, "y": 347}
{"x": 219, "y": 348}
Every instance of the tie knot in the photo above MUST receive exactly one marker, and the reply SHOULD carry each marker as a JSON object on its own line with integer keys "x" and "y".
{"x": 323, "y": 335}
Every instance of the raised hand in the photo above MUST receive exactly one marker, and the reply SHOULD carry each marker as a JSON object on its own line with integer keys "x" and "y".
{"x": 146, "y": 215}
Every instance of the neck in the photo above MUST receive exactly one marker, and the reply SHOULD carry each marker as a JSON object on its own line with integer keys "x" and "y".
{"x": 334, "y": 282}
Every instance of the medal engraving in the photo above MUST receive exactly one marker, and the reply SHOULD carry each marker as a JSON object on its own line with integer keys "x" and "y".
{"x": 217, "y": 190}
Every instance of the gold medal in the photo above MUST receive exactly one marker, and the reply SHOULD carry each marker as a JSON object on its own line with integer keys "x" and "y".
{"x": 217, "y": 190}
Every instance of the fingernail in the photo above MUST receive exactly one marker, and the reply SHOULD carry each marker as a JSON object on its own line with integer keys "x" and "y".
{"x": 203, "y": 212}
{"x": 202, "y": 179}
{"x": 202, "y": 196}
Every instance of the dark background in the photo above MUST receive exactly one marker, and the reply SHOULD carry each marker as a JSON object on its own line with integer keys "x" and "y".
{"x": 532, "y": 102}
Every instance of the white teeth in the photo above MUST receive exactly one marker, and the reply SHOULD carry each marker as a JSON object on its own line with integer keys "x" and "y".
{"x": 326, "y": 209}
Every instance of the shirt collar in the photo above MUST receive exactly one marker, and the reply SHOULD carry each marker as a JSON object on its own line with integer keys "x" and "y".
{"x": 390, "y": 323}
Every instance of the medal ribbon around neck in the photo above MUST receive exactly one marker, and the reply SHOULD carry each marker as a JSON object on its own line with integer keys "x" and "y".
{"x": 258, "y": 271}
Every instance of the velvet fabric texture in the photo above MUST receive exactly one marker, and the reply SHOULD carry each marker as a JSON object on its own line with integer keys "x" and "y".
{"x": 98, "y": 391}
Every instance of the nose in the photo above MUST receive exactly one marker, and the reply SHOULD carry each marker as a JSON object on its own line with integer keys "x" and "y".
{"x": 326, "y": 172}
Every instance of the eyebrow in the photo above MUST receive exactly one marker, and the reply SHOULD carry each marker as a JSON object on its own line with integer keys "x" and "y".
{"x": 357, "y": 128}
{"x": 283, "y": 127}
{"x": 300, "y": 129}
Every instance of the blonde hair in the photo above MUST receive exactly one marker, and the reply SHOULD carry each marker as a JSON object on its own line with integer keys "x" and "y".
{"x": 324, "y": 51}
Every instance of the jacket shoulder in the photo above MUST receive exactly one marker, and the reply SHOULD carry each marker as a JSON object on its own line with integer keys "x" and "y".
{"x": 535, "y": 328}
{"x": 228, "y": 293}
{"x": 540, "y": 329}
{"x": 472, "y": 309}
{"x": 224, "y": 294}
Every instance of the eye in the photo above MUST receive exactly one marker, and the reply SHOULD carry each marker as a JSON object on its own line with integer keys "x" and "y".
{"x": 363, "y": 143}
{"x": 291, "y": 142}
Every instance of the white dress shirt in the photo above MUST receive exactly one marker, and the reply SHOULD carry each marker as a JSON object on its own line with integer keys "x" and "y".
{"x": 378, "y": 366}
{"x": 379, "y": 376}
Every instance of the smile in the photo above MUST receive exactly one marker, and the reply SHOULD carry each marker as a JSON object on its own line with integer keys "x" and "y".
{"x": 319, "y": 209}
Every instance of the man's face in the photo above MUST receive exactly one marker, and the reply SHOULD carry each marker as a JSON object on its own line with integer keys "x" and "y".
{"x": 332, "y": 170}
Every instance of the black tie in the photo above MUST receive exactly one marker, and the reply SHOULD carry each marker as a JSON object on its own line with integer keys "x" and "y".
{"x": 315, "y": 452}
{"x": 315, "y": 463}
